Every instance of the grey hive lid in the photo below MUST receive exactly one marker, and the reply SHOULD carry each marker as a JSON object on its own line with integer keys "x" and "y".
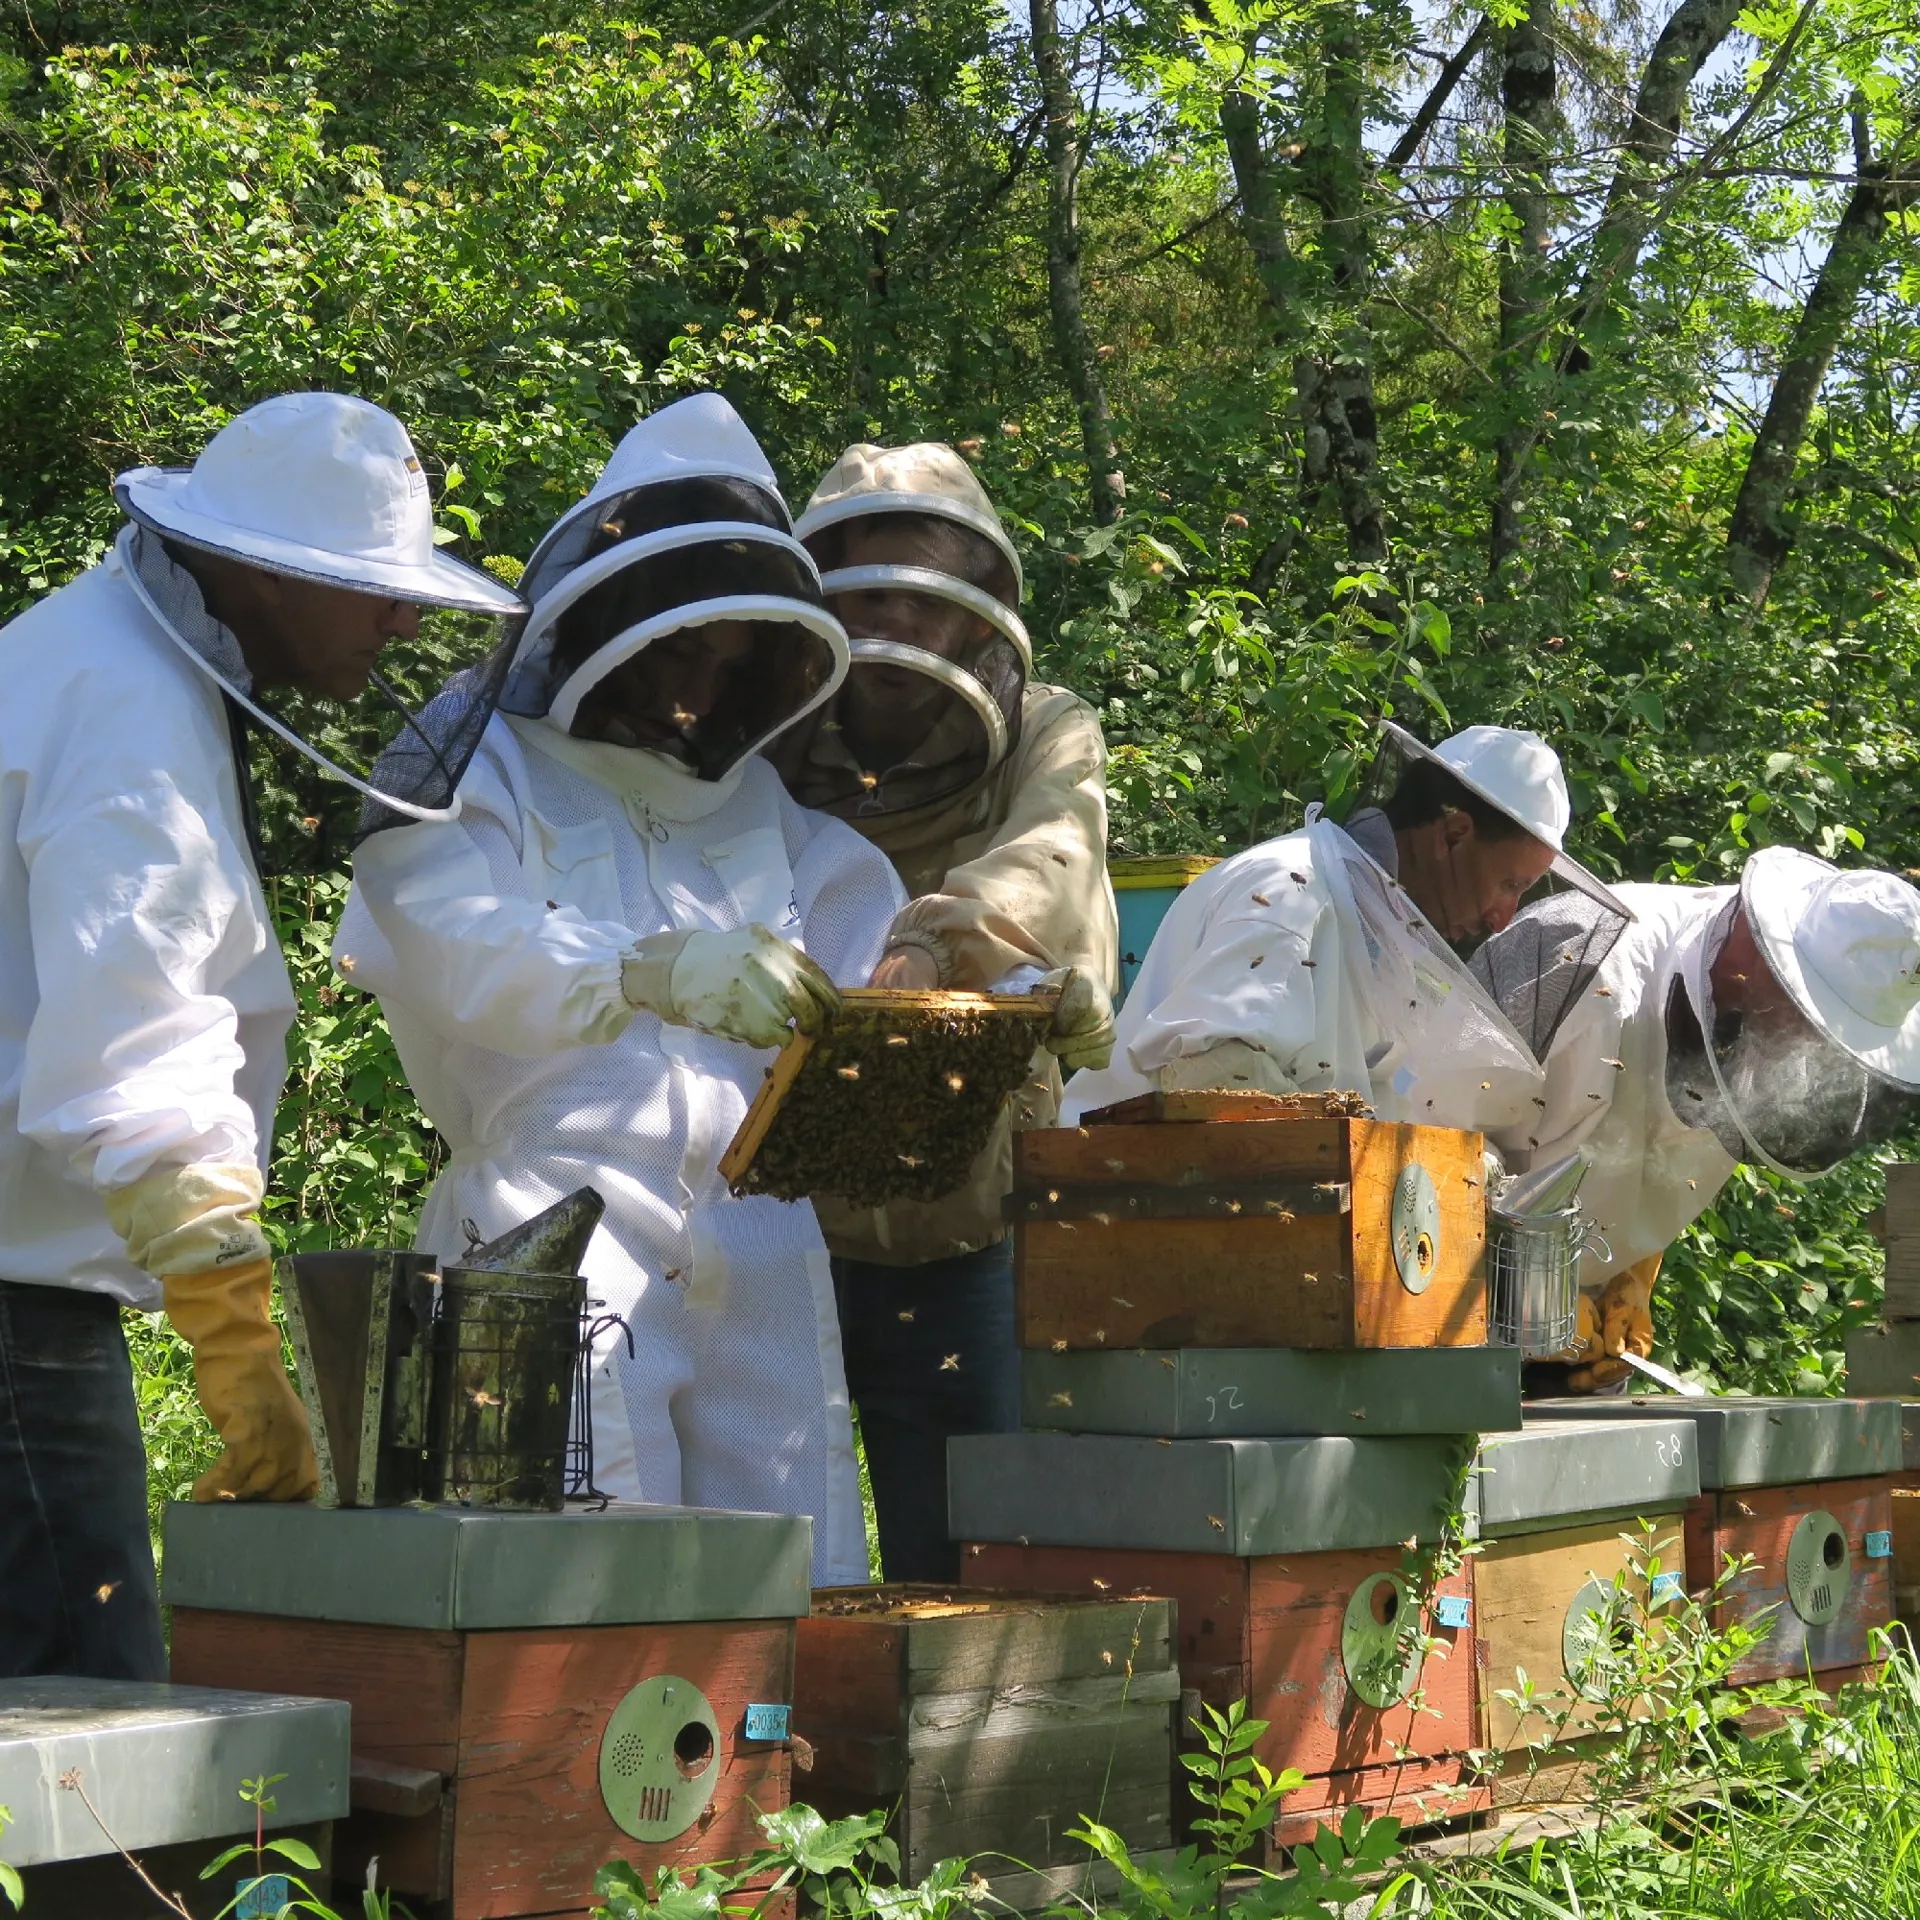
{"x": 1203, "y": 1496}
{"x": 162, "y": 1764}
{"x": 1762, "y": 1443}
{"x": 1232, "y": 1393}
{"x": 459, "y": 1567}
{"x": 1559, "y": 1472}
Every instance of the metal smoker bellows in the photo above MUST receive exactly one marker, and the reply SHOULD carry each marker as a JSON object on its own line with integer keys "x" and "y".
{"x": 1536, "y": 1234}
{"x": 445, "y": 1385}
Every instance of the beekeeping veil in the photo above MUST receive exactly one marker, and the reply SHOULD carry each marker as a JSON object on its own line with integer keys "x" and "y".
{"x": 1823, "y": 1058}
{"x": 685, "y": 529}
{"x": 1536, "y": 968}
{"x": 915, "y": 561}
{"x": 327, "y": 488}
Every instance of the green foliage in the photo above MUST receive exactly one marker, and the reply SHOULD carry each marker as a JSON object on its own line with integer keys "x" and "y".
{"x": 10, "y": 1888}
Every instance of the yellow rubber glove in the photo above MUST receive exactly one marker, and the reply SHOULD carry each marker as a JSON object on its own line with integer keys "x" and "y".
{"x": 224, "y": 1314}
{"x": 1621, "y": 1321}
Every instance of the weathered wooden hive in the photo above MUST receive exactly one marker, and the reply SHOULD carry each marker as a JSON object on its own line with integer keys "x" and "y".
{"x": 532, "y": 1694}
{"x": 1805, "y": 1487}
{"x": 1582, "y": 1547}
{"x": 1296, "y": 1588}
{"x": 1295, "y": 1223}
{"x": 994, "y": 1723}
{"x": 160, "y": 1767}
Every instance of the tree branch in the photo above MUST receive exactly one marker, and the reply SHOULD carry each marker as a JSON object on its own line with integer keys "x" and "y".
{"x": 1438, "y": 95}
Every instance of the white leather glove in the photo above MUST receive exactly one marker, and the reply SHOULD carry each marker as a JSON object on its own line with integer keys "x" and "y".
{"x": 748, "y": 985}
{"x": 1082, "y": 1033}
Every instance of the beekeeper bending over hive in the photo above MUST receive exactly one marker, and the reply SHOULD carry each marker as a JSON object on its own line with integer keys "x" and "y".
{"x": 1319, "y": 961}
{"x": 1776, "y": 1022}
{"x": 586, "y": 973}
{"x": 144, "y": 1005}
{"x": 988, "y": 793}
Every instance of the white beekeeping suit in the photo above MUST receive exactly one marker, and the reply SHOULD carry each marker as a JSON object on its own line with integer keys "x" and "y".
{"x": 1300, "y": 966}
{"x": 1776, "y": 1022}
{"x": 562, "y": 968}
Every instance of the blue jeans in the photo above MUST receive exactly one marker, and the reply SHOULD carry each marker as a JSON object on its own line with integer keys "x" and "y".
{"x": 77, "y": 1592}
{"x": 930, "y": 1353}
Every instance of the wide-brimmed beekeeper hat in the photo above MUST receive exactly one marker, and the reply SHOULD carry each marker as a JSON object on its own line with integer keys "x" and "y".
{"x": 1517, "y": 773}
{"x": 1845, "y": 944}
{"x": 320, "y": 486}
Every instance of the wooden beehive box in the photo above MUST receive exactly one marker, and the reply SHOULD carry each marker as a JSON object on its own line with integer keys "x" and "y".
{"x": 1804, "y": 1487}
{"x": 532, "y": 1694}
{"x": 1564, "y": 1507}
{"x": 1900, "y": 1233}
{"x": 162, "y": 1767}
{"x": 1286, "y": 1562}
{"x": 995, "y": 1722}
{"x": 1184, "y": 1229}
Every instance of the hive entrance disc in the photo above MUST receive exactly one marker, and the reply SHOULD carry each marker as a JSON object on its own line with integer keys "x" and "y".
{"x": 1819, "y": 1568}
{"x": 1415, "y": 1227}
{"x": 659, "y": 1758}
{"x": 1590, "y": 1637}
{"x": 1380, "y": 1641}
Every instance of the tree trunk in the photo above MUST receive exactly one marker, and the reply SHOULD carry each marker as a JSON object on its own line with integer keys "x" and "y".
{"x": 1106, "y": 484}
{"x": 1528, "y": 86}
{"x": 1336, "y": 389}
{"x": 1758, "y": 535}
{"x": 1695, "y": 30}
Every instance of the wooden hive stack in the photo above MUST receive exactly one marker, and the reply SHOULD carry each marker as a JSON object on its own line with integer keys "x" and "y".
{"x": 1804, "y": 1487}
{"x": 996, "y": 1722}
{"x": 532, "y": 1694}
{"x": 1254, "y": 1363}
{"x": 162, "y": 1767}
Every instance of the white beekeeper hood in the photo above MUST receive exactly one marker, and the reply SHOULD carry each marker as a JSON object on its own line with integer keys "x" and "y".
{"x": 685, "y": 527}
{"x": 961, "y": 635}
{"x": 324, "y": 487}
{"x": 1518, "y": 773}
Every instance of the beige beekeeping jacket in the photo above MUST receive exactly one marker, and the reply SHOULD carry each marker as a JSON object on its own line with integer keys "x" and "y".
{"x": 1011, "y": 873}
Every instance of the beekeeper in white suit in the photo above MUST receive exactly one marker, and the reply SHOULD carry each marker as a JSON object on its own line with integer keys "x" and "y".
{"x": 585, "y": 975}
{"x": 144, "y": 1005}
{"x": 1319, "y": 961}
{"x": 1776, "y": 1022}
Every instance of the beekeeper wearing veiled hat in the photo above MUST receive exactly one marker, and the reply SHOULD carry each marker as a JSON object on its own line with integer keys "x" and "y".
{"x": 987, "y": 791}
{"x": 144, "y": 1005}
{"x": 1776, "y": 1022}
{"x": 1320, "y": 961}
{"x": 586, "y": 974}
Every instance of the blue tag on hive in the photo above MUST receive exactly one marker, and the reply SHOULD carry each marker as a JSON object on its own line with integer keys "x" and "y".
{"x": 1666, "y": 1586}
{"x": 1453, "y": 1610}
{"x": 261, "y": 1899}
{"x": 1879, "y": 1546}
{"x": 767, "y": 1722}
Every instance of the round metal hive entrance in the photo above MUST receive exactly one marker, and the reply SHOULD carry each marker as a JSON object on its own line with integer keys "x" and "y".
{"x": 1589, "y": 1638}
{"x": 1819, "y": 1568}
{"x": 659, "y": 1758}
{"x": 1415, "y": 1226}
{"x": 1380, "y": 1641}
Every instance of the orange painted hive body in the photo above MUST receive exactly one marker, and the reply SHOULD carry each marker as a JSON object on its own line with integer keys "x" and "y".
{"x": 532, "y": 1695}
{"x": 1317, "y": 1230}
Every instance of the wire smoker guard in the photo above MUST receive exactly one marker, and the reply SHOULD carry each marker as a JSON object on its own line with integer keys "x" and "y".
{"x": 1533, "y": 1278}
{"x": 506, "y": 1356}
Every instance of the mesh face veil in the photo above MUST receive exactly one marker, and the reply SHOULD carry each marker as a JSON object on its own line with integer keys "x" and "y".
{"x": 677, "y": 614}
{"x": 1767, "y": 1085}
{"x": 1537, "y": 967}
{"x": 916, "y": 565}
